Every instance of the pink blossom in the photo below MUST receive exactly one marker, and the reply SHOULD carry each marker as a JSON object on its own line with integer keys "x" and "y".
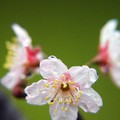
{"x": 22, "y": 58}
{"x": 64, "y": 89}
{"x": 109, "y": 51}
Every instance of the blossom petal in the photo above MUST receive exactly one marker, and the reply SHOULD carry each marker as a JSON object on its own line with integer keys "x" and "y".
{"x": 20, "y": 56}
{"x": 22, "y": 35}
{"x": 115, "y": 74}
{"x": 114, "y": 49}
{"x": 90, "y": 100}
{"x": 12, "y": 78}
{"x": 107, "y": 31}
{"x": 83, "y": 76}
{"x": 52, "y": 67}
{"x": 40, "y": 55}
{"x": 70, "y": 114}
{"x": 35, "y": 95}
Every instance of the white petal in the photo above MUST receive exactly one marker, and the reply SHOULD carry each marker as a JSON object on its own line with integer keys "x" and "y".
{"x": 115, "y": 74}
{"x": 70, "y": 114}
{"x": 90, "y": 101}
{"x": 107, "y": 31}
{"x": 114, "y": 49}
{"x": 40, "y": 55}
{"x": 20, "y": 57}
{"x": 12, "y": 77}
{"x": 52, "y": 67}
{"x": 34, "y": 95}
{"x": 22, "y": 35}
{"x": 83, "y": 76}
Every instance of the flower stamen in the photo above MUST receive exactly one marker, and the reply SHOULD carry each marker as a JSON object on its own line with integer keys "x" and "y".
{"x": 65, "y": 86}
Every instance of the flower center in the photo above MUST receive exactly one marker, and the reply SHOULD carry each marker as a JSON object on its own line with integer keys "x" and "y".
{"x": 103, "y": 55}
{"x": 65, "y": 86}
{"x": 62, "y": 93}
{"x": 33, "y": 61}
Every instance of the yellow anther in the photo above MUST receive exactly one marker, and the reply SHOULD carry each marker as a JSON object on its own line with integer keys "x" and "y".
{"x": 80, "y": 92}
{"x": 11, "y": 46}
{"x": 5, "y": 65}
{"x": 71, "y": 82}
{"x": 62, "y": 108}
{"x": 66, "y": 101}
{"x": 70, "y": 100}
{"x": 8, "y": 44}
{"x": 65, "y": 85}
{"x": 60, "y": 102}
{"x": 46, "y": 85}
{"x": 47, "y": 98}
{"x": 55, "y": 111}
{"x": 41, "y": 90}
{"x": 54, "y": 85}
{"x": 50, "y": 103}
{"x": 74, "y": 88}
{"x": 76, "y": 96}
{"x": 56, "y": 80}
{"x": 14, "y": 39}
{"x": 76, "y": 100}
{"x": 65, "y": 109}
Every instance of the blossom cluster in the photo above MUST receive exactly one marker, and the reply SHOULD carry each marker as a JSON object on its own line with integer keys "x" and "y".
{"x": 63, "y": 89}
{"x": 22, "y": 61}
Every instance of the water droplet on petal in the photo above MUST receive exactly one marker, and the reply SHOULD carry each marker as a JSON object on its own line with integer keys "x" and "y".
{"x": 52, "y": 57}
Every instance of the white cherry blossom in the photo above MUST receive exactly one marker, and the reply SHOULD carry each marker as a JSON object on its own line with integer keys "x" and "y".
{"x": 22, "y": 58}
{"x": 64, "y": 89}
{"x": 109, "y": 51}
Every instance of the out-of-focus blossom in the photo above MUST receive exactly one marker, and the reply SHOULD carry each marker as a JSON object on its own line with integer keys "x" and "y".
{"x": 109, "y": 51}
{"x": 64, "y": 89}
{"x": 22, "y": 59}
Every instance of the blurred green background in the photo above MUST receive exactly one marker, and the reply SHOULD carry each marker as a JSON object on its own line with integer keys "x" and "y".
{"x": 68, "y": 29}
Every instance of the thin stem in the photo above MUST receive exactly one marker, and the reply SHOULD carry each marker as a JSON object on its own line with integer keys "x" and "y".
{"x": 92, "y": 61}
